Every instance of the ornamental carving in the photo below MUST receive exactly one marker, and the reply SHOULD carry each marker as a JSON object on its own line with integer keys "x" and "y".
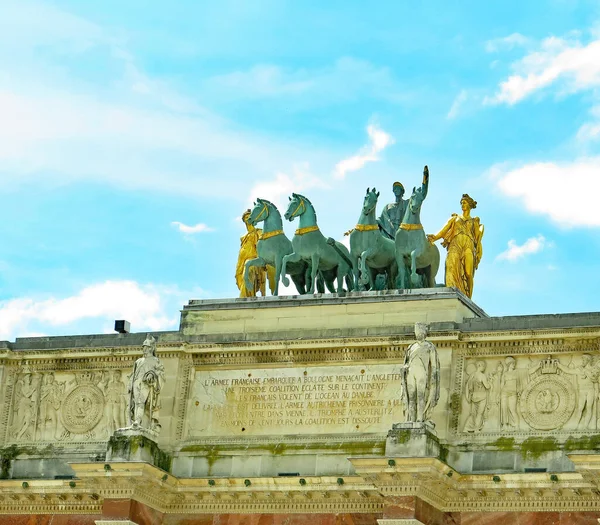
{"x": 83, "y": 409}
{"x": 548, "y": 402}
{"x": 524, "y": 394}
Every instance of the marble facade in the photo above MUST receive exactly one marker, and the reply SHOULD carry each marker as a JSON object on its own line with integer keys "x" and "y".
{"x": 279, "y": 408}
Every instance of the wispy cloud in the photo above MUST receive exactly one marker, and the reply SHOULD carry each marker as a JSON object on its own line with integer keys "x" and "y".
{"x": 514, "y": 252}
{"x": 144, "y": 305}
{"x": 278, "y": 189}
{"x": 124, "y": 128}
{"x": 506, "y": 43}
{"x": 541, "y": 186}
{"x": 196, "y": 228}
{"x": 344, "y": 80}
{"x": 570, "y": 62}
{"x": 378, "y": 141}
{"x": 459, "y": 101}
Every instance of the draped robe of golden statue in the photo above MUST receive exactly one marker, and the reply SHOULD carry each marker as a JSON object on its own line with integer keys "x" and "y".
{"x": 247, "y": 252}
{"x": 462, "y": 236}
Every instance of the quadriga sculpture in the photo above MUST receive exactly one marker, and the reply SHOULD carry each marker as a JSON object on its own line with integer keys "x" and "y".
{"x": 372, "y": 253}
{"x": 415, "y": 255}
{"x": 272, "y": 246}
{"x": 329, "y": 257}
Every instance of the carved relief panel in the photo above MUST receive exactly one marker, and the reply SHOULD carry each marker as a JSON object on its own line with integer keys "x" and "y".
{"x": 529, "y": 394}
{"x": 51, "y": 406}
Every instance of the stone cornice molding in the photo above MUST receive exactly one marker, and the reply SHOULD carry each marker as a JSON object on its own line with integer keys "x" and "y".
{"x": 378, "y": 478}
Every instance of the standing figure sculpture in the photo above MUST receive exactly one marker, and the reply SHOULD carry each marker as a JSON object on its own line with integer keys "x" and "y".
{"x": 477, "y": 394}
{"x": 421, "y": 377}
{"x": 326, "y": 256}
{"x": 25, "y": 413}
{"x": 415, "y": 255}
{"x": 144, "y": 388}
{"x": 509, "y": 394}
{"x": 372, "y": 253}
{"x": 393, "y": 213}
{"x": 462, "y": 236}
{"x": 257, "y": 276}
{"x": 114, "y": 394}
{"x": 51, "y": 397}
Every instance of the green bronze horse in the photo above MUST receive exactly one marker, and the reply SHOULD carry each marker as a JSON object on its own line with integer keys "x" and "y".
{"x": 371, "y": 252}
{"x": 273, "y": 245}
{"x": 414, "y": 253}
{"x": 330, "y": 258}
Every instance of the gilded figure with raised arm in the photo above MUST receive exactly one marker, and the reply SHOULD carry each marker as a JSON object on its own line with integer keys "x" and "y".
{"x": 258, "y": 276}
{"x": 461, "y": 236}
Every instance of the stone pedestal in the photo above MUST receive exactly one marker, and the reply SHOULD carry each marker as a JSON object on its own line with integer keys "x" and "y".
{"x": 412, "y": 440}
{"x": 137, "y": 444}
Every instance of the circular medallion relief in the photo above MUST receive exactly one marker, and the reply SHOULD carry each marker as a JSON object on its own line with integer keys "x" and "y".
{"x": 83, "y": 409}
{"x": 547, "y": 402}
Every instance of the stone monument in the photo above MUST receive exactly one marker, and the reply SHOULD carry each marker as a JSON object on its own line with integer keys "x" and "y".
{"x": 420, "y": 393}
{"x": 137, "y": 442}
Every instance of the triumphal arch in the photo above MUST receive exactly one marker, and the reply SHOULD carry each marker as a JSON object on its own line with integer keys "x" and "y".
{"x": 371, "y": 405}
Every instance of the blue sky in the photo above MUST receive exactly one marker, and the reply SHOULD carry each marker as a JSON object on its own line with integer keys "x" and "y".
{"x": 134, "y": 134}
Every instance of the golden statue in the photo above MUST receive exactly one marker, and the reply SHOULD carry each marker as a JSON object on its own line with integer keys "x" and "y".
{"x": 247, "y": 252}
{"x": 462, "y": 236}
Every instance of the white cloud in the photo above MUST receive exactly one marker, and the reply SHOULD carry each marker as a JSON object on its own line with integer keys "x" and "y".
{"x": 507, "y": 42}
{"x": 568, "y": 61}
{"x": 378, "y": 141}
{"x": 460, "y": 99}
{"x": 283, "y": 185}
{"x": 515, "y": 252}
{"x": 567, "y": 192}
{"x": 197, "y": 228}
{"x": 145, "y": 306}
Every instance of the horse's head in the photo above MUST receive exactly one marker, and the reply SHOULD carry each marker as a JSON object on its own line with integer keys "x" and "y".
{"x": 416, "y": 200}
{"x": 296, "y": 207}
{"x": 260, "y": 212}
{"x": 370, "y": 201}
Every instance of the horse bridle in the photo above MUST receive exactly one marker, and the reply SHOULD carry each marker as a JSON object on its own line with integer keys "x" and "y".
{"x": 301, "y": 203}
{"x": 265, "y": 209}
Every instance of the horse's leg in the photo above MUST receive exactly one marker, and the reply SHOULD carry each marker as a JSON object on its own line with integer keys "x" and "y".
{"x": 292, "y": 257}
{"x": 249, "y": 264}
{"x": 356, "y": 271}
{"x": 415, "y": 279}
{"x": 366, "y": 277}
{"x": 277, "y": 274}
{"x": 392, "y": 275}
{"x": 315, "y": 268}
{"x": 401, "y": 281}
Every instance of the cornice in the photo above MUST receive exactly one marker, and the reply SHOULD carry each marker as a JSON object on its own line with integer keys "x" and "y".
{"x": 376, "y": 480}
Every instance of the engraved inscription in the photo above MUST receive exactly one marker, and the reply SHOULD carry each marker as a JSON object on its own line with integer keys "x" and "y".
{"x": 296, "y": 401}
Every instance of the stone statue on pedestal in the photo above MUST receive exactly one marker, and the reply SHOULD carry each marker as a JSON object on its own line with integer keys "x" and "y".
{"x": 144, "y": 388}
{"x": 420, "y": 377}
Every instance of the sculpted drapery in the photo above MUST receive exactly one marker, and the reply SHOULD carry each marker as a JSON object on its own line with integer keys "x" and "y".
{"x": 145, "y": 385}
{"x": 247, "y": 252}
{"x": 462, "y": 236}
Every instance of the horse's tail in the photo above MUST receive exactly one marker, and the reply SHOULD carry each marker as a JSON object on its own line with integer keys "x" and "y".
{"x": 331, "y": 241}
{"x": 349, "y": 282}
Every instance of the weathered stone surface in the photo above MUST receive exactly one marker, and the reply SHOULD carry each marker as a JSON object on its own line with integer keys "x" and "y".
{"x": 136, "y": 445}
{"x": 261, "y": 395}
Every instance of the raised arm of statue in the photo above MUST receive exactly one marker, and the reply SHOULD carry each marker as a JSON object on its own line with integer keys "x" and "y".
{"x": 444, "y": 231}
{"x": 425, "y": 183}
